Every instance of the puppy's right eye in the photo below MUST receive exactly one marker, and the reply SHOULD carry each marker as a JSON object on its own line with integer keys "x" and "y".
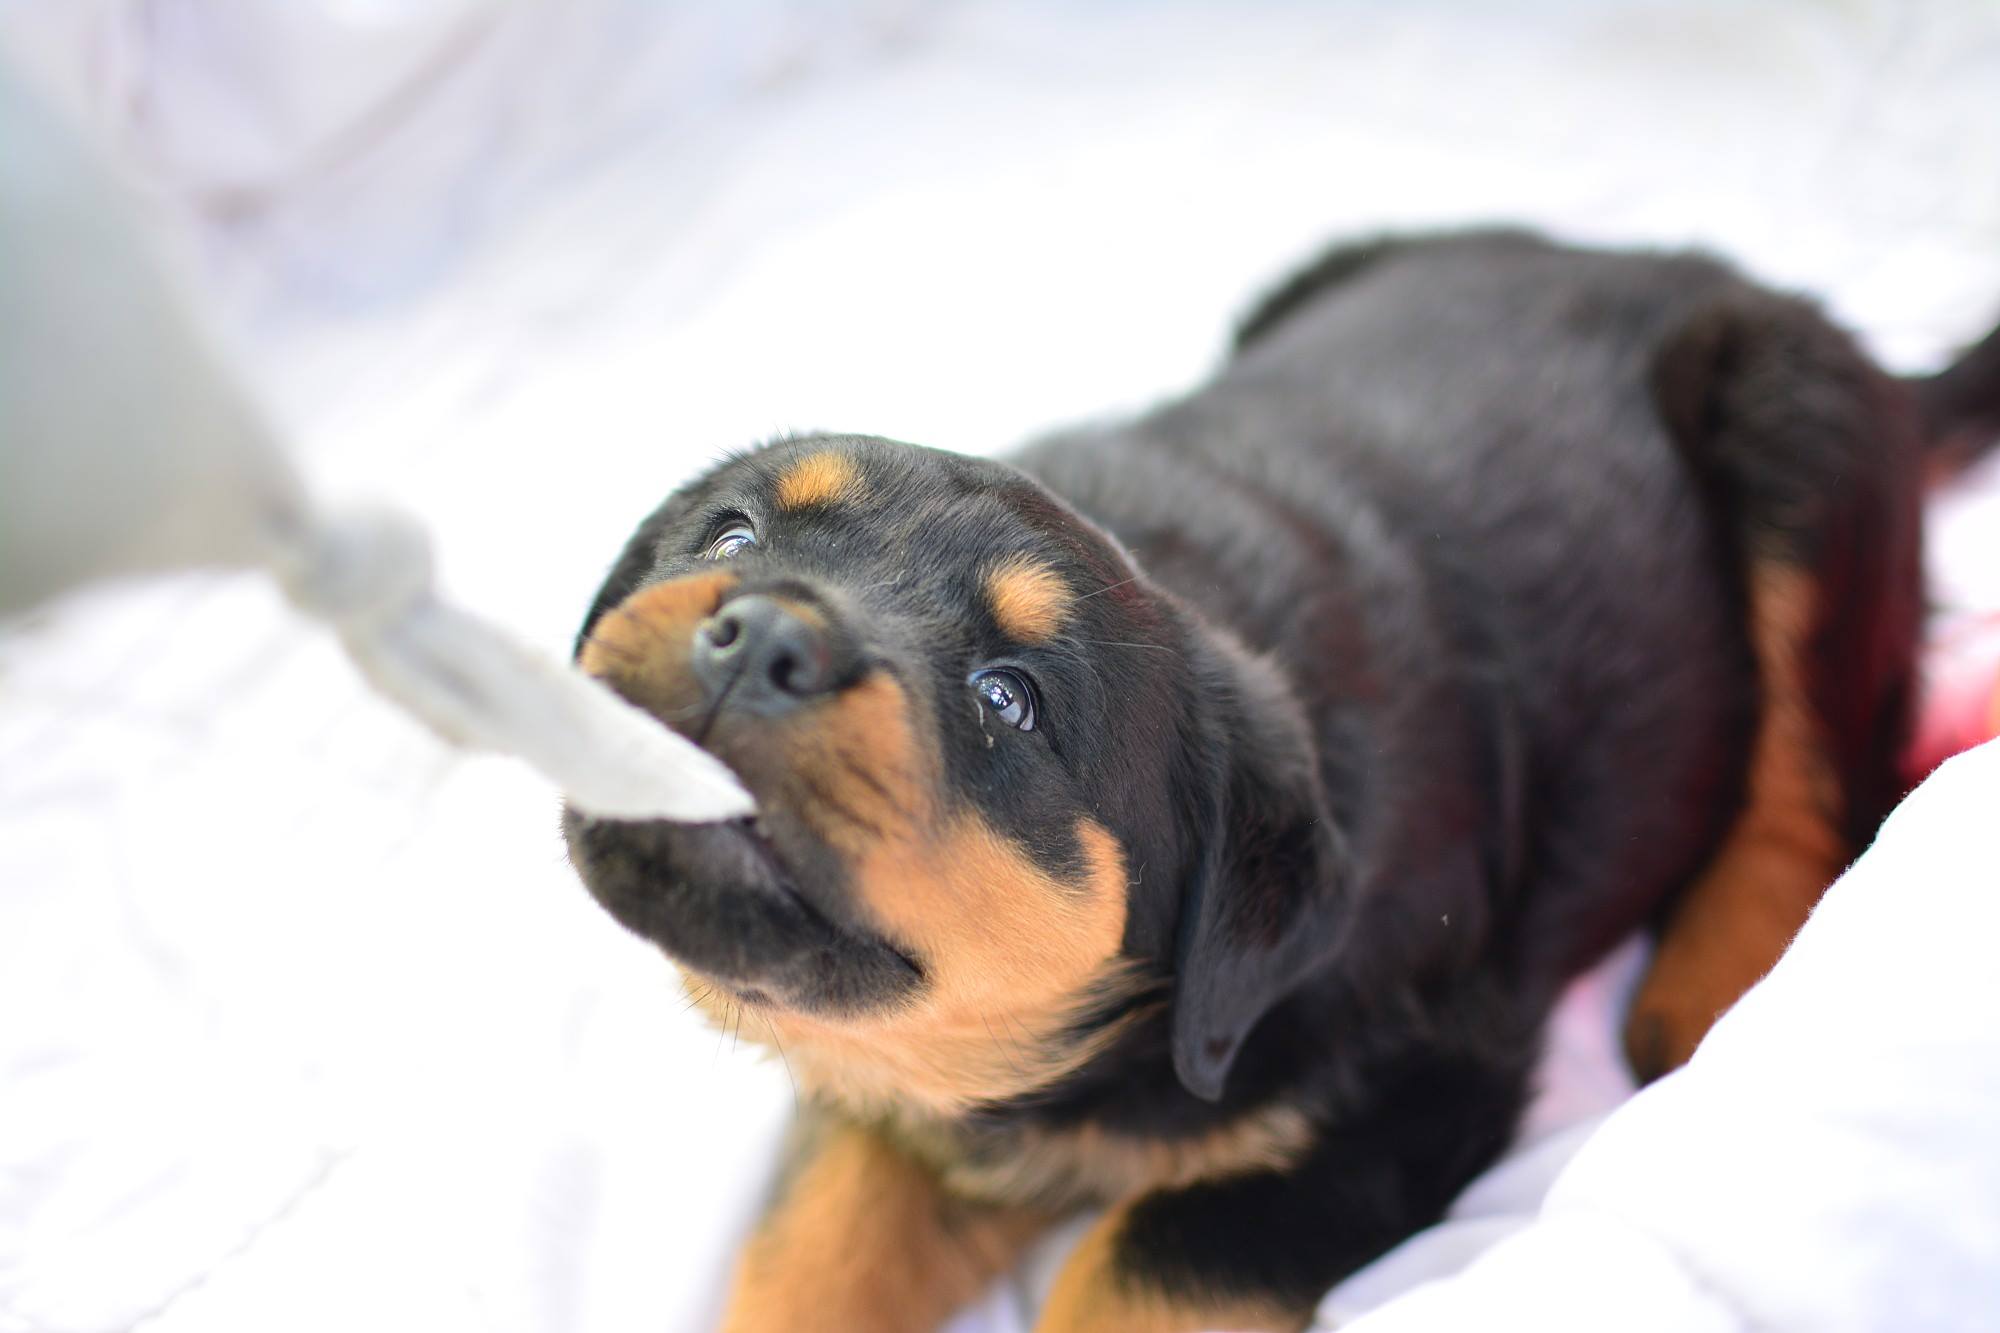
{"x": 1008, "y": 694}
{"x": 736, "y": 539}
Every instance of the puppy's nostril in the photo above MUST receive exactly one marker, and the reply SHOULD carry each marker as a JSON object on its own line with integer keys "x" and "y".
{"x": 785, "y": 672}
{"x": 722, "y": 630}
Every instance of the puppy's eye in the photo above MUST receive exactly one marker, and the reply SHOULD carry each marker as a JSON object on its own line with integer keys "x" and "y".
{"x": 1008, "y": 694}
{"x": 738, "y": 538}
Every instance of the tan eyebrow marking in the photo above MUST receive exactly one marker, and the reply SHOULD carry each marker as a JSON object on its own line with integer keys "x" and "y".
{"x": 1029, "y": 600}
{"x": 818, "y": 479}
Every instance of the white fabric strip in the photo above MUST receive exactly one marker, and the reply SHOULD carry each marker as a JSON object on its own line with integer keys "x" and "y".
{"x": 125, "y": 448}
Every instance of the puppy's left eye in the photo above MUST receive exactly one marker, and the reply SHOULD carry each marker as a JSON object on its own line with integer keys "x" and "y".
{"x": 1008, "y": 694}
{"x": 738, "y": 538}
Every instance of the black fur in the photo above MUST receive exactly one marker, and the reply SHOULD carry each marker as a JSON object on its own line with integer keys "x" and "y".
{"x": 1427, "y": 680}
{"x": 1961, "y": 404}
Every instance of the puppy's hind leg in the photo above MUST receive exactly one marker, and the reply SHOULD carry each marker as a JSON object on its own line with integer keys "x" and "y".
{"x": 1785, "y": 848}
{"x": 1812, "y": 454}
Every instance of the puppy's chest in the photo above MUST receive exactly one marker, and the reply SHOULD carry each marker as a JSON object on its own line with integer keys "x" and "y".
{"x": 1060, "y": 1168}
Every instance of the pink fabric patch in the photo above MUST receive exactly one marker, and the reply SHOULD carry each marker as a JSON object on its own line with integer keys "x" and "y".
{"x": 1960, "y": 702}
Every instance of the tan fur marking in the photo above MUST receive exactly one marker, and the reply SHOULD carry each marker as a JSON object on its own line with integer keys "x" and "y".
{"x": 1782, "y": 853}
{"x": 641, "y": 646}
{"x": 1091, "y": 1295}
{"x": 1090, "y": 1163}
{"x": 863, "y": 1239}
{"x": 1011, "y": 959}
{"x": 1011, "y": 956}
{"x": 818, "y": 479}
{"x": 1029, "y": 600}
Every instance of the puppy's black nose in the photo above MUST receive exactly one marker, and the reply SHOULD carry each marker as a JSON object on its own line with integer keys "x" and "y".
{"x": 769, "y": 656}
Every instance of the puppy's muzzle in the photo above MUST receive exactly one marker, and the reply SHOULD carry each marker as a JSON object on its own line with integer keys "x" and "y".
{"x": 765, "y": 655}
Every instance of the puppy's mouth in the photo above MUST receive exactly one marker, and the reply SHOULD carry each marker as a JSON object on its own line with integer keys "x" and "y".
{"x": 726, "y": 902}
{"x": 774, "y": 685}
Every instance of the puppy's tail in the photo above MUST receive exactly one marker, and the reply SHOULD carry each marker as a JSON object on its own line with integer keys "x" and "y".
{"x": 1961, "y": 408}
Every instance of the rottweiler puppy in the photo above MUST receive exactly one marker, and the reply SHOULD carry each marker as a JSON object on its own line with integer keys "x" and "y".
{"x": 1197, "y": 817}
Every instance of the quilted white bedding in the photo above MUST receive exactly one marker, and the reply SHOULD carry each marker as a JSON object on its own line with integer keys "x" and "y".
{"x": 304, "y": 1023}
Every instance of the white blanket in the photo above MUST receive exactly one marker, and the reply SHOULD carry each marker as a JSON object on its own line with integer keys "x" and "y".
{"x": 1828, "y": 1160}
{"x": 303, "y": 1022}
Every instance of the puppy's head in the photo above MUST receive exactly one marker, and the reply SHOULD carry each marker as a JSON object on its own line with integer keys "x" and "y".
{"x": 1002, "y": 782}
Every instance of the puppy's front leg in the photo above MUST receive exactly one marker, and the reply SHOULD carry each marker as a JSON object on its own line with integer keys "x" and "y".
{"x": 1260, "y": 1250}
{"x": 861, "y": 1239}
{"x": 1109, "y": 1285}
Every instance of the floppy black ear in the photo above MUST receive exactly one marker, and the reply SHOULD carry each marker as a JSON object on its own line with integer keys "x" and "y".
{"x": 1265, "y": 905}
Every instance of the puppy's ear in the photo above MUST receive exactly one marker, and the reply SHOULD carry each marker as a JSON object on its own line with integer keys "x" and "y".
{"x": 1266, "y": 903}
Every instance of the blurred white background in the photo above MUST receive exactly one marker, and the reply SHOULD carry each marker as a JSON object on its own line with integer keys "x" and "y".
{"x": 304, "y": 1023}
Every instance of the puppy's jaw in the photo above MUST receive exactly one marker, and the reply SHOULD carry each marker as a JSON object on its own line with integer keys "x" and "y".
{"x": 1015, "y": 960}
